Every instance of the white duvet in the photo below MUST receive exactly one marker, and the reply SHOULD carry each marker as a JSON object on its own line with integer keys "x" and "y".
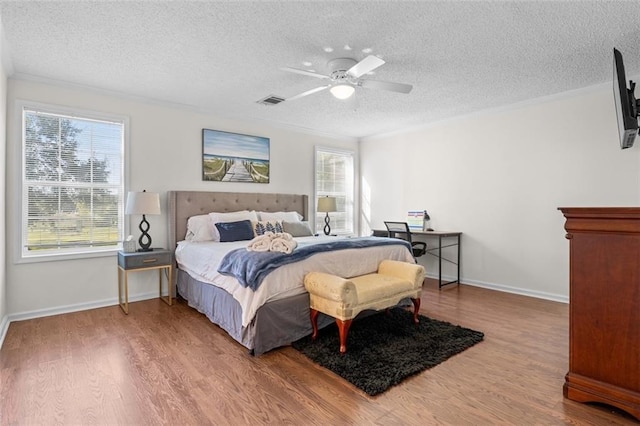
{"x": 201, "y": 260}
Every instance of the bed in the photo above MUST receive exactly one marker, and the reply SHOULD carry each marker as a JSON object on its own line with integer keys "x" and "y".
{"x": 277, "y": 313}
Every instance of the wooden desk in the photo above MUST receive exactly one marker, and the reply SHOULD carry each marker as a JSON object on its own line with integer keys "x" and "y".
{"x": 451, "y": 239}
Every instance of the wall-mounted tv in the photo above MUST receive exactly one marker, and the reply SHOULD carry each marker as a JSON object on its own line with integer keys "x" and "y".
{"x": 626, "y": 104}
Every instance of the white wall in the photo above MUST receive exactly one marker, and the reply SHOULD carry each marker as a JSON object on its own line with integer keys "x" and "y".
{"x": 3, "y": 143}
{"x": 499, "y": 177}
{"x": 165, "y": 154}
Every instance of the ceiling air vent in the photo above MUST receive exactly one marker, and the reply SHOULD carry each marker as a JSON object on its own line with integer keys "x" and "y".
{"x": 271, "y": 100}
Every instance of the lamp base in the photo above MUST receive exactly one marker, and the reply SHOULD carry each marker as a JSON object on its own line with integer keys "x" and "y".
{"x": 145, "y": 239}
{"x": 327, "y": 228}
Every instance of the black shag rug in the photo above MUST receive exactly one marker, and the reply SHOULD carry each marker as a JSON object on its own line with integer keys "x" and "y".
{"x": 383, "y": 350}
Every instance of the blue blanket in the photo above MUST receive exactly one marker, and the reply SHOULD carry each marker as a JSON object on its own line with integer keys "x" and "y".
{"x": 251, "y": 267}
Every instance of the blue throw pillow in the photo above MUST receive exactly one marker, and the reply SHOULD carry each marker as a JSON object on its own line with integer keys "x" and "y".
{"x": 235, "y": 231}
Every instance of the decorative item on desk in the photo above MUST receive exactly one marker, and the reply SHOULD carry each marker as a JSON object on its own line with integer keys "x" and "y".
{"x": 415, "y": 219}
{"x": 425, "y": 225}
{"x": 326, "y": 205}
{"x": 143, "y": 203}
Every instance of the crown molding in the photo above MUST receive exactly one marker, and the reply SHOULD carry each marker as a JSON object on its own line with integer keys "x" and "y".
{"x": 495, "y": 110}
{"x": 180, "y": 106}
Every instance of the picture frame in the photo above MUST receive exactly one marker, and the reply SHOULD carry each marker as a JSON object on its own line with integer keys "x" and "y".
{"x": 234, "y": 157}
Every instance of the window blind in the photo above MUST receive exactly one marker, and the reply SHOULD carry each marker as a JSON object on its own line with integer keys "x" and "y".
{"x": 334, "y": 176}
{"x": 72, "y": 183}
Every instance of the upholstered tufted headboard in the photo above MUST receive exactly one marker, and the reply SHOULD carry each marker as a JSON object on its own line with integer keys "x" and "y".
{"x": 184, "y": 204}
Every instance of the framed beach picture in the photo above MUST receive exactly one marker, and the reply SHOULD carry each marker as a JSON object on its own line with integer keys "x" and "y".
{"x": 233, "y": 157}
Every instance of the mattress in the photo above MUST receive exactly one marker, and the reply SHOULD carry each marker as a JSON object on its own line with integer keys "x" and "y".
{"x": 201, "y": 259}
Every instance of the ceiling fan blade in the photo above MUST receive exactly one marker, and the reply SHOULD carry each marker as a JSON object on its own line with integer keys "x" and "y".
{"x": 366, "y": 65}
{"x": 385, "y": 85}
{"x": 308, "y": 92}
{"x": 304, "y": 72}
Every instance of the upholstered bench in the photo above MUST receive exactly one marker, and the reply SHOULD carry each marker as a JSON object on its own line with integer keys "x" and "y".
{"x": 345, "y": 298}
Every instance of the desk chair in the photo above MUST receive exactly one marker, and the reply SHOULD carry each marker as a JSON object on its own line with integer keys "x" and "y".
{"x": 401, "y": 230}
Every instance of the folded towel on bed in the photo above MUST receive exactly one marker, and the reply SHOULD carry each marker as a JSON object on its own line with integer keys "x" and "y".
{"x": 283, "y": 243}
{"x": 261, "y": 242}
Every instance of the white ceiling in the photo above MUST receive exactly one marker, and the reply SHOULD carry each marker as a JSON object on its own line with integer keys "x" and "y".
{"x": 222, "y": 57}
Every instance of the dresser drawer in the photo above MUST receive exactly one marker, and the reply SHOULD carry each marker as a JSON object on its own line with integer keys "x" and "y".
{"x": 144, "y": 260}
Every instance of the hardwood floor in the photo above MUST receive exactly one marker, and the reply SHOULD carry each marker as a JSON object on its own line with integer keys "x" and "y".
{"x": 170, "y": 365}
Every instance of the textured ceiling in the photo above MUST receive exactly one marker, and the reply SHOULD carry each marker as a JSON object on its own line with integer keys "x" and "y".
{"x": 222, "y": 57}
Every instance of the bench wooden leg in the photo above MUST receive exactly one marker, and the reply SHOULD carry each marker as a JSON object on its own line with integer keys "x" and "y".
{"x": 314, "y": 323}
{"x": 416, "y": 308}
{"x": 343, "y": 330}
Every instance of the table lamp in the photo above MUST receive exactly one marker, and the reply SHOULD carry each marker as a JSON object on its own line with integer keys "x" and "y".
{"x": 326, "y": 205}
{"x": 425, "y": 223}
{"x": 143, "y": 203}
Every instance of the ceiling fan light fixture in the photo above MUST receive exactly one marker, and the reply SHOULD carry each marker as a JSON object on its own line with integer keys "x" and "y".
{"x": 342, "y": 91}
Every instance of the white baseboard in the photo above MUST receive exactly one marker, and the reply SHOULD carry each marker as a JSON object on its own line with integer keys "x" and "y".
{"x": 4, "y": 326}
{"x": 77, "y": 307}
{"x": 506, "y": 289}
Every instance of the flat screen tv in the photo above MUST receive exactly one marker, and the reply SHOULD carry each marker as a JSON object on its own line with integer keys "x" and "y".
{"x": 626, "y": 104}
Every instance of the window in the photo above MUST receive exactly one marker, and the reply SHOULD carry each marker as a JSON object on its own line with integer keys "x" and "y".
{"x": 335, "y": 178}
{"x": 72, "y": 183}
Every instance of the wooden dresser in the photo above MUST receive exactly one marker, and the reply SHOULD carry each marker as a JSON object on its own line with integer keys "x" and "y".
{"x": 604, "y": 311}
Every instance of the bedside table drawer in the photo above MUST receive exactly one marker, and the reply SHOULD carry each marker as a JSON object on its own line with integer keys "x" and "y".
{"x": 144, "y": 260}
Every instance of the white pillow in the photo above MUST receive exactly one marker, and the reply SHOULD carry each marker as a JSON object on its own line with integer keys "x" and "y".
{"x": 216, "y": 217}
{"x": 199, "y": 228}
{"x": 280, "y": 216}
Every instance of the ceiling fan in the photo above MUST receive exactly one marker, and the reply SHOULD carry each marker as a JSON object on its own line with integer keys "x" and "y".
{"x": 345, "y": 77}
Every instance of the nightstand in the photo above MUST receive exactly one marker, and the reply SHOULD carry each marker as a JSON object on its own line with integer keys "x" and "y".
{"x": 159, "y": 259}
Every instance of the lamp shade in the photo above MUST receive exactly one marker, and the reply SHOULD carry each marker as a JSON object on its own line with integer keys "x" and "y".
{"x": 327, "y": 204}
{"x": 143, "y": 203}
{"x": 342, "y": 91}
